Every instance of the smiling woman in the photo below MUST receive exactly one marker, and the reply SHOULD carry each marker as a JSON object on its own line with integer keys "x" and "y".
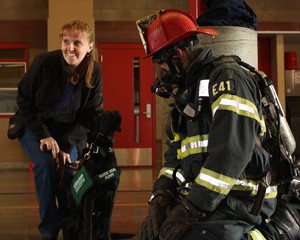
{"x": 76, "y": 45}
{"x": 74, "y": 49}
{"x": 58, "y": 93}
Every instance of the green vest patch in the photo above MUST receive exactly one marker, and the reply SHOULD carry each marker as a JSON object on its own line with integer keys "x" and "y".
{"x": 108, "y": 175}
{"x": 80, "y": 184}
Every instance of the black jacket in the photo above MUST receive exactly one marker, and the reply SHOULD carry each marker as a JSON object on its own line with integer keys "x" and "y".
{"x": 41, "y": 89}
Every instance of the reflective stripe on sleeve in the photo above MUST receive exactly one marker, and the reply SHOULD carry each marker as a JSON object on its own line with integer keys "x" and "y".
{"x": 249, "y": 185}
{"x": 263, "y": 127}
{"x": 214, "y": 181}
{"x": 223, "y": 184}
{"x": 168, "y": 172}
{"x": 193, "y": 145}
{"x": 238, "y": 105}
{"x": 256, "y": 234}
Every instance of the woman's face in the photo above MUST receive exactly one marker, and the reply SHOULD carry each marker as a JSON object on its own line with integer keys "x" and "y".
{"x": 75, "y": 48}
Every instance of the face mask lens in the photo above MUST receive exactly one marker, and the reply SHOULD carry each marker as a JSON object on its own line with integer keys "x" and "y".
{"x": 166, "y": 76}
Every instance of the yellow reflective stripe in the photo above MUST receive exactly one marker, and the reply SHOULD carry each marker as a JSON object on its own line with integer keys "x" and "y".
{"x": 175, "y": 134}
{"x": 176, "y": 139}
{"x": 269, "y": 195}
{"x": 238, "y": 105}
{"x": 179, "y": 153}
{"x": 250, "y": 185}
{"x": 193, "y": 145}
{"x": 223, "y": 184}
{"x": 188, "y": 185}
{"x": 214, "y": 181}
{"x": 271, "y": 192}
{"x": 263, "y": 127}
{"x": 256, "y": 234}
{"x": 168, "y": 172}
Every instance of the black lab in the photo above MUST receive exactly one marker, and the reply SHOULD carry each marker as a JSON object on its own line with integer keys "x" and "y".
{"x": 93, "y": 189}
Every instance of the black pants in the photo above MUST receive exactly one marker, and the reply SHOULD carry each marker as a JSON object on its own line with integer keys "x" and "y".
{"x": 230, "y": 221}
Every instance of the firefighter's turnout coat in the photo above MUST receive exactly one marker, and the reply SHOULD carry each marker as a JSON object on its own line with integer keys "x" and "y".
{"x": 218, "y": 151}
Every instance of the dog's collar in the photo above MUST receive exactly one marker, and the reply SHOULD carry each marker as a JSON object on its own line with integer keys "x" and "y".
{"x": 97, "y": 149}
{"x": 100, "y": 150}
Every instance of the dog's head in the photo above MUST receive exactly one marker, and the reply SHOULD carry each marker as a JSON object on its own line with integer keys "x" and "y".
{"x": 103, "y": 126}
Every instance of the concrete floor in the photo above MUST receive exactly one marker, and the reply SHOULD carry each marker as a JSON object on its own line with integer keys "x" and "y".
{"x": 19, "y": 215}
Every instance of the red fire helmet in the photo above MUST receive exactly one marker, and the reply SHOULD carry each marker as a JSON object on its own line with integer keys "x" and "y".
{"x": 168, "y": 27}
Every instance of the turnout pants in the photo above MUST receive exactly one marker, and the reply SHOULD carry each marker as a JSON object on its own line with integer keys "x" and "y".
{"x": 231, "y": 221}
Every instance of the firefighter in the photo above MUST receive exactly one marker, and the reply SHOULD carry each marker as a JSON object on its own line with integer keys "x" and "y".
{"x": 213, "y": 184}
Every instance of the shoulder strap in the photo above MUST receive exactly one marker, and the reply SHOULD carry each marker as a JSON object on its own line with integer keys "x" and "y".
{"x": 225, "y": 59}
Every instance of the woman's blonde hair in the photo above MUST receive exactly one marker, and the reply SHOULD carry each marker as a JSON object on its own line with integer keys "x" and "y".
{"x": 86, "y": 67}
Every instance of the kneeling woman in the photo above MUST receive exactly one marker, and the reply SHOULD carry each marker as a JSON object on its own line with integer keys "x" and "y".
{"x": 59, "y": 91}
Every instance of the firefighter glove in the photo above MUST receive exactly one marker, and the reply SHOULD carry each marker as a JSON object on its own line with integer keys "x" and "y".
{"x": 160, "y": 205}
{"x": 179, "y": 221}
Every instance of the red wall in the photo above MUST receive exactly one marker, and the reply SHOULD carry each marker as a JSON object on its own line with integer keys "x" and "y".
{"x": 264, "y": 55}
{"x": 32, "y": 32}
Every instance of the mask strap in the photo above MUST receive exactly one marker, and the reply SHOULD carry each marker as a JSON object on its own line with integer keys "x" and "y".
{"x": 173, "y": 58}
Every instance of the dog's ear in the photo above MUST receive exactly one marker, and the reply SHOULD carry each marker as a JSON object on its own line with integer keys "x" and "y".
{"x": 95, "y": 120}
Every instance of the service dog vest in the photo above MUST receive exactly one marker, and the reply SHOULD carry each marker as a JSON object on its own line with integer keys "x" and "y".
{"x": 82, "y": 181}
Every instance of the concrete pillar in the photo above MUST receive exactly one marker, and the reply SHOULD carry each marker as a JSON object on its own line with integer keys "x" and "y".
{"x": 63, "y": 11}
{"x": 231, "y": 40}
{"x": 239, "y": 41}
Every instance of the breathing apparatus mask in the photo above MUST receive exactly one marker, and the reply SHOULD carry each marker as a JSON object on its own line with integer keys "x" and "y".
{"x": 169, "y": 69}
{"x": 168, "y": 76}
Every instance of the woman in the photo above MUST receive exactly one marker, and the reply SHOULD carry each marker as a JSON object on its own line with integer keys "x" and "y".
{"x": 56, "y": 96}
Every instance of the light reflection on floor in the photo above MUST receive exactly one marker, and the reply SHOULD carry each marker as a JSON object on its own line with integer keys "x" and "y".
{"x": 19, "y": 216}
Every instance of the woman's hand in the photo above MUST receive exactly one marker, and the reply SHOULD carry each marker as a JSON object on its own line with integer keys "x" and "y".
{"x": 49, "y": 144}
{"x": 64, "y": 157}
